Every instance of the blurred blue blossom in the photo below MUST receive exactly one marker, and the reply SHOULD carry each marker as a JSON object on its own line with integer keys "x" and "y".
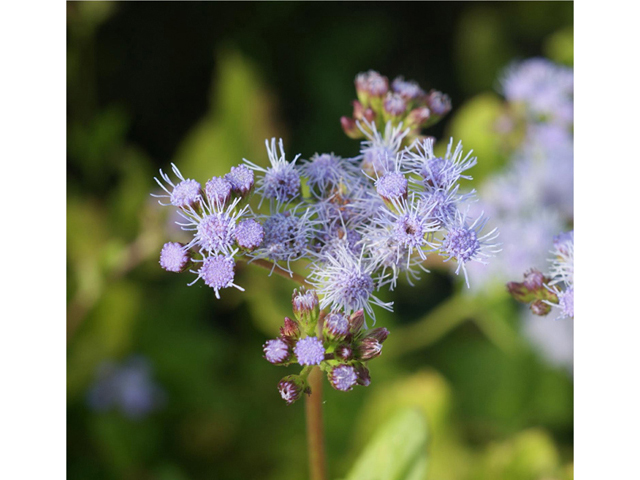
{"x": 127, "y": 387}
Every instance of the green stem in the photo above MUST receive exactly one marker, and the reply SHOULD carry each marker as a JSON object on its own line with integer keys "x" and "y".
{"x": 433, "y": 326}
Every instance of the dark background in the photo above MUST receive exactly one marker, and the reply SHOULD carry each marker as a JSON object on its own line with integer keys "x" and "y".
{"x": 202, "y": 84}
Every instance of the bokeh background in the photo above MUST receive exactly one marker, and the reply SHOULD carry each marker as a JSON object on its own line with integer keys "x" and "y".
{"x": 202, "y": 85}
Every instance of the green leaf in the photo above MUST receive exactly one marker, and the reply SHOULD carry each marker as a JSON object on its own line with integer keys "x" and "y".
{"x": 398, "y": 450}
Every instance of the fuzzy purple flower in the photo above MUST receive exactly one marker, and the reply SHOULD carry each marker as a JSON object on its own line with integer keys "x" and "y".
{"x": 185, "y": 193}
{"x": 249, "y": 234}
{"x": 218, "y": 272}
{"x": 218, "y": 190}
{"x": 392, "y": 186}
{"x": 336, "y": 326}
{"x": 408, "y": 90}
{"x": 309, "y": 351}
{"x": 241, "y": 179}
{"x": 173, "y": 257}
{"x": 394, "y": 104}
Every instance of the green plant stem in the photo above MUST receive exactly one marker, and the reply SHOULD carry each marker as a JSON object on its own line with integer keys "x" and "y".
{"x": 315, "y": 427}
{"x": 433, "y": 326}
{"x": 269, "y": 266}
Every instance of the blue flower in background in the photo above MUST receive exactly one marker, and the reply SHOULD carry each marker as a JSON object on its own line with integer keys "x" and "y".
{"x": 127, "y": 387}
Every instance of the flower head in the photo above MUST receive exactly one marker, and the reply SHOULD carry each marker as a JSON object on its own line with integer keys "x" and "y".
{"x": 218, "y": 272}
{"x": 464, "y": 243}
{"x": 249, "y": 234}
{"x": 309, "y": 351}
{"x": 174, "y": 257}
{"x": 342, "y": 377}
{"x": 218, "y": 190}
{"x": 408, "y": 90}
{"x": 185, "y": 193}
{"x": 281, "y": 181}
{"x": 276, "y": 351}
{"x": 241, "y": 179}
{"x": 344, "y": 282}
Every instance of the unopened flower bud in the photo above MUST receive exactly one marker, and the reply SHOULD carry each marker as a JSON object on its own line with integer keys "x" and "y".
{"x": 335, "y": 326}
{"x": 520, "y": 292}
{"x": 533, "y": 280}
{"x": 368, "y": 348}
{"x": 290, "y": 332}
{"x": 418, "y": 117}
{"x": 305, "y": 308}
{"x": 380, "y": 334}
{"x": 342, "y": 377}
{"x": 291, "y": 388}
{"x": 394, "y": 105}
{"x": 249, "y": 234}
{"x": 362, "y": 373}
{"x": 350, "y": 128}
{"x": 276, "y": 351}
{"x": 439, "y": 103}
{"x": 356, "y": 322}
{"x": 343, "y": 352}
{"x": 540, "y": 308}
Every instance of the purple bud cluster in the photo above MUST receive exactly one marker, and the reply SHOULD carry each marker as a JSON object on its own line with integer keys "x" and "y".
{"x": 398, "y": 102}
{"x": 220, "y": 221}
{"x": 356, "y": 224}
{"x": 342, "y": 350}
{"x": 555, "y": 289}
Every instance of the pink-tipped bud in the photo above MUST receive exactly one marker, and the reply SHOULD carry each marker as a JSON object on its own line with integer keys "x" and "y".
{"x": 362, "y": 374}
{"x": 350, "y": 128}
{"x": 306, "y": 308}
{"x": 540, "y": 308}
{"x": 368, "y": 348}
{"x": 533, "y": 280}
{"x": 290, "y": 332}
{"x": 418, "y": 117}
{"x": 343, "y": 352}
{"x": 291, "y": 388}
{"x": 356, "y": 322}
{"x": 380, "y": 334}
{"x": 335, "y": 327}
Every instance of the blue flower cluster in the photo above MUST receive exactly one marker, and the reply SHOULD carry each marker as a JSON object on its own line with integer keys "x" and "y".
{"x": 342, "y": 350}
{"x": 356, "y": 224}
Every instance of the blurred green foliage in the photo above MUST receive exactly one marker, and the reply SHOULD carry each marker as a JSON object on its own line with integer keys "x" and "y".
{"x": 460, "y": 394}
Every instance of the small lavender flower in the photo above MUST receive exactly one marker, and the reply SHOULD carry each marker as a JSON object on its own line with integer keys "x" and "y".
{"x": 392, "y": 186}
{"x": 305, "y": 307}
{"x": 344, "y": 283}
{"x": 439, "y": 103}
{"x": 463, "y": 243}
{"x": 379, "y": 151}
{"x": 241, "y": 180}
{"x": 439, "y": 172}
{"x": 343, "y": 377}
{"x": 335, "y": 326}
{"x": 173, "y": 257}
{"x": 214, "y": 226}
{"x": 408, "y": 90}
{"x": 286, "y": 238}
{"x": 128, "y": 387}
{"x": 249, "y": 234}
{"x": 326, "y": 171}
{"x": 218, "y": 272}
{"x": 276, "y": 351}
{"x": 309, "y": 351}
{"x": 185, "y": 193}
{"x": 281, "y": 181}
{"x": 218, "y": 190}
{"x": 562, "y": 263}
